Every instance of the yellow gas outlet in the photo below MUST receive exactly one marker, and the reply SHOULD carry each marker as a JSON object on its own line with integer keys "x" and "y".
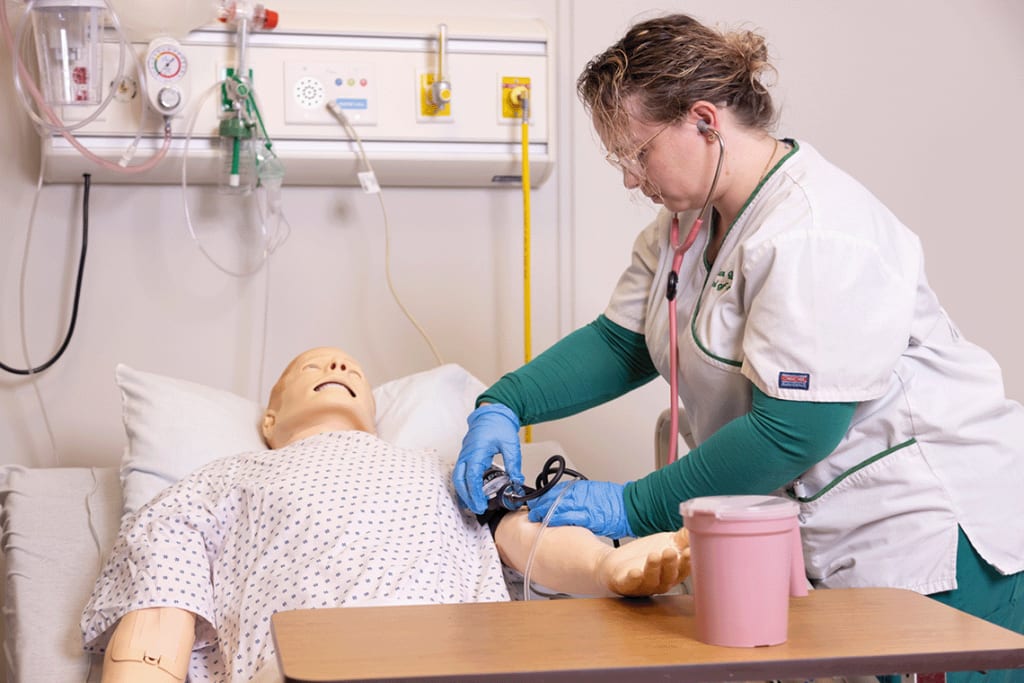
{"x": 427, "y": 108}
{"x": 511, "y": 90}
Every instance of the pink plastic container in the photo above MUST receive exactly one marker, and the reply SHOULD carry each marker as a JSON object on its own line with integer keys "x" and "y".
{"x": 747, "y": 561}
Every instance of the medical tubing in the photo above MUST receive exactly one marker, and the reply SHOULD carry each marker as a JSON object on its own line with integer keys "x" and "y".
{"x": 670, "y": 294}
{"x": 274, "y": 211}
{"x": 33, "y": 378}
{"x": 265, "y": 332}
{"x": 339, "y": 114}
{"x": 273, "y": 236}
{"x": 259, "y": 118}
{"x": 87, "y": 182}
{"x": 129, "y": 152}
{"x": 59, "y": 127}
{"x": 552, "y": 472}
{"x": 527, "y": 591}
{"x": 269, "y": 243}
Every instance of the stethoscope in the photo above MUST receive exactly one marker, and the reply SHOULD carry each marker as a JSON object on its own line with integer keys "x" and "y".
{"x": 673, "y": 281}
{"x": 503, "y": 492}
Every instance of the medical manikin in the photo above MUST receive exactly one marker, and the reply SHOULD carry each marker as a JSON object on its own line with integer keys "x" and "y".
{"x": 324, "y": 390}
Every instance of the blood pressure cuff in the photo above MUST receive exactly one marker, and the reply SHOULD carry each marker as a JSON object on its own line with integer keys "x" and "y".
{"x": 491, "y": 517}
{"x": 595, "y": 364}
{"x": 495, "y": 512}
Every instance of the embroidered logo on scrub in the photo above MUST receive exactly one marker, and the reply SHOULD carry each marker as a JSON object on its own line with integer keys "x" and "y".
{"x": 794, "y": 380}
{"x": 722, "y": 281}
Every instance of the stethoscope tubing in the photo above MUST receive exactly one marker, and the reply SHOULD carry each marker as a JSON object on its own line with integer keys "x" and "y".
{"x": 679, "y": 250}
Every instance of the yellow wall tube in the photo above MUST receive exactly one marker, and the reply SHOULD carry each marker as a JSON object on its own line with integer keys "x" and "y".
{"x": 524, "y": 103}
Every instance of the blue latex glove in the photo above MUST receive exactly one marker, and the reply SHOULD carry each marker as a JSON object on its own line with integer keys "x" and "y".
{"x": 493, "y": 429}
{"x": 597, "y": 505}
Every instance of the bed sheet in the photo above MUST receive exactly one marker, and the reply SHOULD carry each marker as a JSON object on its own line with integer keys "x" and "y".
{"x": 58, "y": 526}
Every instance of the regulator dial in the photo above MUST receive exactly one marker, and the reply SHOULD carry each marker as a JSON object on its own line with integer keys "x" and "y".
{"x": 167, "y": 63}
{"x": 167, "y": 80}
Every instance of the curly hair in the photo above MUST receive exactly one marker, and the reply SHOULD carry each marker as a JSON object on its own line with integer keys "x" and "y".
{"x": 666, "y": 64}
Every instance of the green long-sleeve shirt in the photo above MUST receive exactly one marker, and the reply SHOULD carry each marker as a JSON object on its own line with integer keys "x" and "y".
{"x": 756, "y": 453}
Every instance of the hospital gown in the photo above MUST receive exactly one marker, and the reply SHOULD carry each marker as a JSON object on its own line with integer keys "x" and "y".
{"x": 336, "y": 519}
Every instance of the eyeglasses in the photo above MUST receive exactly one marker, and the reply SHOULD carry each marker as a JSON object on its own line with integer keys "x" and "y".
{"x": 633, "y": 162}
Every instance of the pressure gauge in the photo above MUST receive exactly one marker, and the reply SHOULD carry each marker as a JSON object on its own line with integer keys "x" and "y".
{"x": 166, "y": 82}
{"x": 168, "y": 63}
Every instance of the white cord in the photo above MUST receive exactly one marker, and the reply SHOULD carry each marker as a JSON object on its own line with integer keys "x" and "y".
{"x": 266, "y": 327}
{"x": 339, "y": 113}
{"x": 527, "y": 590}
{"x": 21, "y": 315}
{"x": 272, "y": 239}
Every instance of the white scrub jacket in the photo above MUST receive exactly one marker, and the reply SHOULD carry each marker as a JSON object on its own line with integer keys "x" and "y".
{"x": 818, "y": 293}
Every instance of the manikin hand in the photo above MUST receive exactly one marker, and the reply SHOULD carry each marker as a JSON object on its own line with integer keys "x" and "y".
{"x": 493, "y": 429}
{"x": 647, "y": 566}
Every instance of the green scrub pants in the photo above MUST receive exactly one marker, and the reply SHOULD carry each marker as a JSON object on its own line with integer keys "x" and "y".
{"x": 985, "y": 593}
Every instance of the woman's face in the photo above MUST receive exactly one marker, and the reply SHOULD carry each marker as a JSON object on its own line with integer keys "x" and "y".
{"x": 663, "y": 161}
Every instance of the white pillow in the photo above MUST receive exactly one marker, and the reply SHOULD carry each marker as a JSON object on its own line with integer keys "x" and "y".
{"x": 175, "y": 426}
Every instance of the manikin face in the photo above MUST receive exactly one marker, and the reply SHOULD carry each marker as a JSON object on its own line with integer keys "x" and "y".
{"x": 321, "y": 390}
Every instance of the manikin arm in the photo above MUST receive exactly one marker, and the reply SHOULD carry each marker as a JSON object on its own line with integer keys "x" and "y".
{"x": 150, "y": 646}
{"x": 574, "y": 560}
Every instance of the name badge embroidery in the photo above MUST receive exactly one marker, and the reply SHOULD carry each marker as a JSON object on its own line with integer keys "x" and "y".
{"x": 794, "y": 380}
{"x": 722, "y": 281}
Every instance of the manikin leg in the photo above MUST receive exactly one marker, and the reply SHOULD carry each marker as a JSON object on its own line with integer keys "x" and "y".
{"x": 150, "y": 646}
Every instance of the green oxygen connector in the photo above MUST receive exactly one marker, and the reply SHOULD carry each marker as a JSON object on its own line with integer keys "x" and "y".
{"x": 234, "y": 133}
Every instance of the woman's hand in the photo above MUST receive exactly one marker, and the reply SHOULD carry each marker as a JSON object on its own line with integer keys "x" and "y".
{"x": 597, "y": 505}
{"x": 493, "y": 429}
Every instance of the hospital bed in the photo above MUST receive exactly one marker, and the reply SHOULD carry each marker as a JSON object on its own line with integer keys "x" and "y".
{"x": 60, "y": 523}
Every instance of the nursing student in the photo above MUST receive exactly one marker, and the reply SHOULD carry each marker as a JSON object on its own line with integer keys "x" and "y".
{"x": 814, "y": 360}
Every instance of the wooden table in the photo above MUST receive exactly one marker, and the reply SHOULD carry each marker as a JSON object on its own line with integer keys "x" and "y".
{"x": 857, "y": 631}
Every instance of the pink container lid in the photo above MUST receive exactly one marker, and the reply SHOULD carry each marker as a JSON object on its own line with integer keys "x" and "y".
{"x": 740, "y": 508}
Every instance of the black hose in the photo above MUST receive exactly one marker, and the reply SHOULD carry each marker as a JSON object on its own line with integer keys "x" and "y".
{"x": 87, "y": 178}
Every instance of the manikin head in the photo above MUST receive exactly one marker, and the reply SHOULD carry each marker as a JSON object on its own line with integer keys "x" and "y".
{"x": 322, "y": 390}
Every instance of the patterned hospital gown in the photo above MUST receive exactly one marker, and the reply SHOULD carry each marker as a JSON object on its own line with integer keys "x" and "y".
{"x": 336, "y": 519}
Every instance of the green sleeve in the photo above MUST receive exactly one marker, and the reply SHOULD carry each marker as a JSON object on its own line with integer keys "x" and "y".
{"x": 756, "y": 453}
{"x": 590, "y": 366}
